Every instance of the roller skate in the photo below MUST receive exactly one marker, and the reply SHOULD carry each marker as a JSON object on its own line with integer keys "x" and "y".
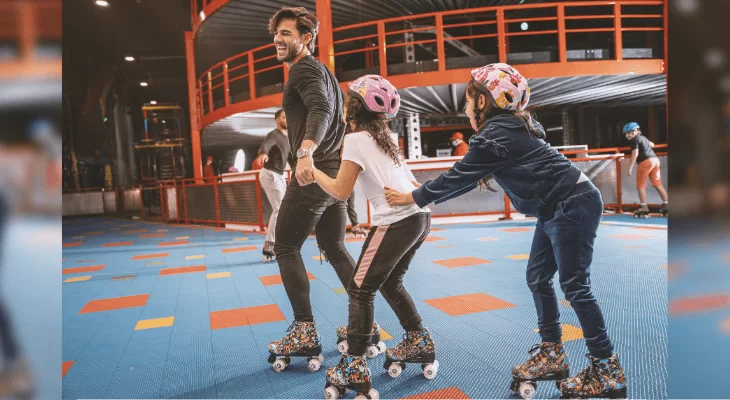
{"x": 416, "y": 347}
{"x": 642, "y": 212}
{"x": 358, "y": 232}
{"x": 301, "y": 341}
{"x": 268, "y": 251}
{"x": 604, "y": 378}
{"x": 352, "y": 373}
{"x": 376, "y": 347}
{"x": 664, "y": 210}
{"x": 547, "y": 363}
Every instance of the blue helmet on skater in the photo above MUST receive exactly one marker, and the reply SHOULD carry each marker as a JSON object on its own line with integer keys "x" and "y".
{"x": 630, "y": 127}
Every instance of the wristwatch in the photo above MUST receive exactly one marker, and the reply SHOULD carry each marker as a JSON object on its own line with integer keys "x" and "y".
{"x": 301, "y": 153}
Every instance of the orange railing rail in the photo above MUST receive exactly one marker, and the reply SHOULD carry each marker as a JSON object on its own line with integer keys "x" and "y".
{"x": 26, "y": 24}
{"x": 256, "y": 73}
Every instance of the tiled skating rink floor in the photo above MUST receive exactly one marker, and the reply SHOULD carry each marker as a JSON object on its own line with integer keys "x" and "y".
{"x": 164, "y": 311}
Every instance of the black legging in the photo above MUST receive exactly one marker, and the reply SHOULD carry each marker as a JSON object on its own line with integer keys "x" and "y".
{"x": 9, "y": 345}
{"x": 307, "y": 208}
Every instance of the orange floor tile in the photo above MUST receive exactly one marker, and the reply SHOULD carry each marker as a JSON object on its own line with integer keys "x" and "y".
{"x": 238, "y": 249}
{"x": 276, "y": 279}
{"x": 433, "y": 239}
{"x": 462, "y": 262}
{"x": 66, "y": 366}
{"x": 178, "y": 243}
{"x": 115, "y": 303}
{"x": 520, "y": 229}
{"x": 91, "y": 268}
{"x": 148, "y": 256}
{"x": 468, "y": 303}
{"x": 117, "y": 244}
{"x": 692, "y": 305}
{"x": 137, "y": 231}
{"x": 152, "y": 235}
{"x": 182, "y": 270}
{"x": 452, "y": 392}
{"x": 631, "y": 236}
{"x": 245, "y": 316}
{"x": 73, "y": 244}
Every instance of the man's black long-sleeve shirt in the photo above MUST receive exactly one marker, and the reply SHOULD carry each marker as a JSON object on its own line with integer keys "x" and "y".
{"x": 313, "y": 102}
{"x": 276, "y": 146}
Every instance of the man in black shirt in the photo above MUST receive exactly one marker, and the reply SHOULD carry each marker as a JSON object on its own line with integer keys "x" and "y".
{"x": 313, "y": 102}
{"x": 274, "y": 153}
{"x": 649, "y": 166}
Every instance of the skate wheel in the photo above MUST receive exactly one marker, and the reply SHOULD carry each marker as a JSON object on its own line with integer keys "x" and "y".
{"x": 527, "y": 390}
{"x": 557, "y": 384}
{"x": 320, "y": 358}
{"x": 372, "y": 351}
{"x": 279, "y": 365}
{"x": 430, "y": 370}
{"x": 342, "y": 347}
{"x": 314, "y": 365}
{"x": 382, "y": 347}
{"x": 331, "y": 392}
{"x": 372, "y": 394}
{"x": 394, "y": 370}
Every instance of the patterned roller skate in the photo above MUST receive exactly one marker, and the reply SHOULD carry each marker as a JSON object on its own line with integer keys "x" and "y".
{"x": 642, "y": 212}
{"x": 301, "y": 341}
{"x": 603, "y": 378}
{"x": 352, "y": 373}
{"x": 268, "y": 252}
{"x": 416, "y": 347}
{"x": 376, "y": 347}
{"x": 664, "y": 210}
{"x": 547, "y": 363}
{"x": 358, "y": 232}
{"x": 16, "y": 380}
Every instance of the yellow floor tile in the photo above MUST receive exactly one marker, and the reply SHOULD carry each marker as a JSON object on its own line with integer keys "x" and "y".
{"x": 318, "y": 258}
{"x": 182, "y": 237}
{"x": 570, "y": 333}
{"x": 240, "y": 239}
{"x": 519, "y": 257}
{"x": 565, "y": 303}
{"x": 154, "y": 263}
{"x": 340, "y": 290}
{"x": 725, "y": 326}
{"x": 218, "y": 275}
{"x": 194, "y": 257}
{"x": 154, "y": 323}
{"x": 77, "y": 237}
{"x": 78, "y": 279}
{"x": 385, "y": 335}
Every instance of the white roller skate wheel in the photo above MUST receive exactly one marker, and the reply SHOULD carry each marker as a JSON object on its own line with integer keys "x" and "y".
{"x": 394, "y": 370}
{"x": 342, "y": 347}
{"x": 314, "y": 365}
{"x": 320, "y": 358}
{"x": 331, "y": 392}
{"x": 279, "y": 365}
{"x": 527, "y": 390}
{"x": 382, "y": 347}
{"x": 431, "y": 370}
{"x": 373, "y": 351}
{"x": 372, "y": 394}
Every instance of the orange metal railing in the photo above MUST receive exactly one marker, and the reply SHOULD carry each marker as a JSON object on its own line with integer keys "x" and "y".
{"x": 25, "y": 25}
{"x": 375, "y": 47}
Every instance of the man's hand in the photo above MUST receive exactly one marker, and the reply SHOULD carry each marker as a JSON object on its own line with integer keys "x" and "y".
{"x": 305, "y": 171}
{"x": 263, "y": 158}
{"x": 396, "y": 198}
{"x": 416, "y": 184}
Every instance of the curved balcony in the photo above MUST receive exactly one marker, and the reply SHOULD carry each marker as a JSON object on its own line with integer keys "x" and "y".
{"x": 437, "y": 50}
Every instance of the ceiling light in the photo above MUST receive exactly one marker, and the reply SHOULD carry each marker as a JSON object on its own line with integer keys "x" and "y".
{"x": 143, "y": 84}
{"x": 714, "y": 58}
{"x": 524, "y": 26}
{"x": 129, "y": 58}
{"x": 102, "y": 3}
{"x": 153, "y": 102}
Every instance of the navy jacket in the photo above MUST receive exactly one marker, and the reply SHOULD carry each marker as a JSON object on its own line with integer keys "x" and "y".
{"x": 534, "y": 175}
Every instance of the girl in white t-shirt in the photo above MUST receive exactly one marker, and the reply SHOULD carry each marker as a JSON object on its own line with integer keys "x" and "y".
{"x": 371, "y": 155}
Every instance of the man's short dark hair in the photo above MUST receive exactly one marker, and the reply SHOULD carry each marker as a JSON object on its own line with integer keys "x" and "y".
{"x": 278, "y": 114}
{"x": 306, "y": 22}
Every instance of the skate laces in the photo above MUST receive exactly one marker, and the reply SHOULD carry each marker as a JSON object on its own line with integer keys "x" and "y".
{"x": 593, "y": 370}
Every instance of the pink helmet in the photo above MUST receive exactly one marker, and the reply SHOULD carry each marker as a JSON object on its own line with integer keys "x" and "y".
{"x": 508, "y": 88}
{"x": 377, "y": 94}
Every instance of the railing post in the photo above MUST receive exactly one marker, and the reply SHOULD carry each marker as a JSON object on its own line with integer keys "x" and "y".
{"x": 210, "y": 92}
{"x": 507, "y": 208}
{"x": 217, "y": 204}
{"x": 193, "y": 102}
{"x": 251, "y": 77}
{"x": 226, "y": 89}
{"x": 185, "y": 202}
{"x": 618, "y": 185}
{"x": 440, "y": 51}
{"x": 28, "y": 29}
{"x": 562, "y": 44}
{"x": 501, "y": 37}
{"x": 618, "y": 34}
{"x": 326, "y": 47}
{"x": 382, "y": 61}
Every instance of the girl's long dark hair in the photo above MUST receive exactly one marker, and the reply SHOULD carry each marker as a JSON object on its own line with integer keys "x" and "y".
{"x": 371, "y": 123}
{"x": 489, "y": 110}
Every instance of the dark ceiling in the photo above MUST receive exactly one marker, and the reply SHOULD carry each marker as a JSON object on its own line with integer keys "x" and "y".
{"x": 243, "y": 24}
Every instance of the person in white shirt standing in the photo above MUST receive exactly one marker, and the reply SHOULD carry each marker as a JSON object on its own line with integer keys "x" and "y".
{"x": 371, "y": 154}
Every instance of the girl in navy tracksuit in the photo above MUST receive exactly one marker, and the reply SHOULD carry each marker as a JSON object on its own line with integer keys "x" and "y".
{"x": 510, "y": 147}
